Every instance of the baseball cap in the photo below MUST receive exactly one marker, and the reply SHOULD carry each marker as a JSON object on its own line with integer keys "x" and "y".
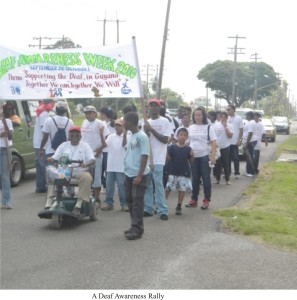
{"x": 74, "y": 128}
{"x": 154, "y": 101}
{"x": 119, "y": 122}
{"x": 90, "y": 108}
{"x": 62, "y": 104}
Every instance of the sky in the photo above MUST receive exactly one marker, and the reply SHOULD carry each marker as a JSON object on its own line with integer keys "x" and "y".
{"x": 198, "y": 33}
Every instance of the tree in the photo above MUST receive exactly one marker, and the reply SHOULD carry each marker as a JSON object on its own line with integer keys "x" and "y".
{"x": 218, "y": 77}
{"x": 64, "y": 43}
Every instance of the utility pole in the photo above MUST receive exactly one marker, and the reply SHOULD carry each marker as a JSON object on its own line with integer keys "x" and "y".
{"x": 118, "y": 40}
{"x": 235, "y": 49}
{"x": 117, "y": 21}
{"x": 163, "y": 50}
{"x": 255, "y": 55}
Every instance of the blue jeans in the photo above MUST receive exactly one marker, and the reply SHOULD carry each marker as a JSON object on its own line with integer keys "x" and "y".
{"x": 40, "y": 164}
{"x": 157, "y": 175}
{"x": 111, "y": 179}
{"x": 5, "y": 177}
{"x": 201, "y": 169}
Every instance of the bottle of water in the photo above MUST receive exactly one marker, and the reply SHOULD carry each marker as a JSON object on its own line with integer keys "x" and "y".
{"x": 61, "y": 172}
{"x": 68, "y": 172}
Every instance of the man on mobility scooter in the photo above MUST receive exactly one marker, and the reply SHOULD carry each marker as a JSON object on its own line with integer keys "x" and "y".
{"x": 81, "y": 157}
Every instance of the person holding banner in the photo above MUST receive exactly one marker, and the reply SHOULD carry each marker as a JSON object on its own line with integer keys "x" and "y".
{"x": 6, "y": 130}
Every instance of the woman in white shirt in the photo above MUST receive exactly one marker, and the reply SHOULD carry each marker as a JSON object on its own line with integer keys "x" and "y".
{"x": 201, "y": 134}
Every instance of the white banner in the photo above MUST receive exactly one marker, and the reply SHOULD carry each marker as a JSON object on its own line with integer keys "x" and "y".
{"x": 70, "y": 73}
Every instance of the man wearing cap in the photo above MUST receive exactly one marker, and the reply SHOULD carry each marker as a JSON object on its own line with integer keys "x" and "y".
{"x": 51, "y": 126}
{"x": 249, "y": 141}
{"x": 159, "y": 130}
{"x": 94, "y": 132}
{"x": 78, "y": 151}
{"x": 116, "y": 143}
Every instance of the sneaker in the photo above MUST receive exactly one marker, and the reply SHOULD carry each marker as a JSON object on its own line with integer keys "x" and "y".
{"x": 125, "y": 208}
{"x": 244, "y": 174}
{"x": 133, "y": 236}
{"x": 164, "y": 217}
{"x": 127, "y": 231}
{"x": 107, "y": 207}
{"x": 178, "y": 210}
{"x": 146, "y": 214}
{"x": 76, "y": 211}
{"x": 192, "y": 203}
{"x": 205, "y": 204}
{"x": 249, "y": 175}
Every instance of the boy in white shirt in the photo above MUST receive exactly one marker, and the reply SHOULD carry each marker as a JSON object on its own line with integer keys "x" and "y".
{"x": 116, "y": 143}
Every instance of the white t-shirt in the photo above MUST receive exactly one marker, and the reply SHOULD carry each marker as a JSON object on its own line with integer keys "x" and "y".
{"x": 50, "y": 127}
{"x": 159, "y": 149}
{"x": 237, "y": 124}
{"x": 259, "y": 131}
{"x": 82, "y": 151}
{"x": 39, "y": 123}
{"x": 116, "y": 153}
{"x": 222, "y": 139}
{"x": 110, "y": 130}
{"x": 3, "y": 139}
{"x": 198, "y": 136}
{"x": 90, "y": 133}
{"x": 248, "y": 127}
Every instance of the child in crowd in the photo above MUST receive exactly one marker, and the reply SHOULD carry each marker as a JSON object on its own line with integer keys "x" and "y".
{"x": 116, "y": 143}
{"x": 136, "y": 174}
{"x": 179, "y": 179}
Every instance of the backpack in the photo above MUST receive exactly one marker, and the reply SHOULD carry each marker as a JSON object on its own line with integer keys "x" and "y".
{"x": 60, "y": 136}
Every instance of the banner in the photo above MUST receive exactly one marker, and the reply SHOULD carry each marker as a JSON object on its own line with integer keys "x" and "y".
{"x": 107, "y": 72}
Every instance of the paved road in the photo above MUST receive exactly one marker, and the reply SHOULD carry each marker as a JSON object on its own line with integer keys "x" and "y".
{"x": 186, "y": 252}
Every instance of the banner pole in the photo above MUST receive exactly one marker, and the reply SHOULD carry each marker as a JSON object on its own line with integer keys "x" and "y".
{"x": 139, "y": 80}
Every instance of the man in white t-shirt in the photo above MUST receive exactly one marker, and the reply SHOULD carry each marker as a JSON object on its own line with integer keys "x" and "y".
{"x": 261, "y": 134}
{"x": 51, "y": 126}
{"x": 237, "y": 124}
{"x": 42, "y": 113}
{"x": 93, "y": 132}
{"x": 76, "y": 151}
{"x": 159, "y": 130}
{"x": 249, "y": 141}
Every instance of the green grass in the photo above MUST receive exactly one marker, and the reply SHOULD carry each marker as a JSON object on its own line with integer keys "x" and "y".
{"x": 289, "y": 145}
{"x": 269, "y": 213}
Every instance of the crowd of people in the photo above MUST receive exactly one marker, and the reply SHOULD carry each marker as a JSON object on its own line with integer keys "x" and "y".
{"x": 145, "y": 159}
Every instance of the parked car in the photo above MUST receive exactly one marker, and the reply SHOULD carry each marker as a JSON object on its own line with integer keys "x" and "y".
{"x": 270, "y": 130}
{"x": 282, "y": 124}
{"x": 22, "y": 149}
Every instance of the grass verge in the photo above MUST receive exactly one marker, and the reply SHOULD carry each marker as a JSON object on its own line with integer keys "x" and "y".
{"x": 269, "y": 213}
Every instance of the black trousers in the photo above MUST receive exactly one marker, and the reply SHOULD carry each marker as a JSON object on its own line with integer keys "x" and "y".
{"x": 224, "y": 161}
{"x": 135, "y": 201}
{"x": 235, "y": 157}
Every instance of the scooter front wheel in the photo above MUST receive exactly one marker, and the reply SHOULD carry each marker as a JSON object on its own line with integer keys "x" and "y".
{"x": 57, "y": 221}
